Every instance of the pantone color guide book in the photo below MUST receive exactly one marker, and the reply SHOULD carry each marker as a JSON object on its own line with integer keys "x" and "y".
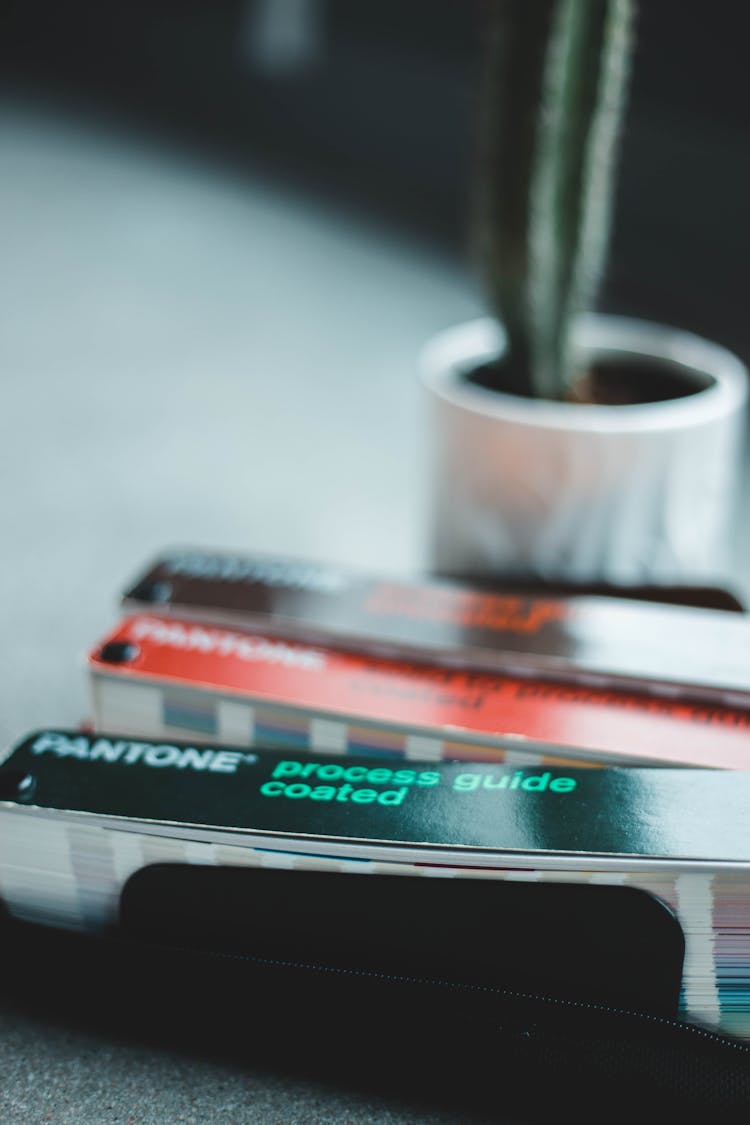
{"x": 85, "y": 815}
{"x": 602, "y": 641}
{"x": 160, "y": 676}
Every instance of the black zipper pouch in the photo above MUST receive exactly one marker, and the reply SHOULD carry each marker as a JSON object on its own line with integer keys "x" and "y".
{"x": 507, "y": 1002}
{"x": 482, "y": 1051}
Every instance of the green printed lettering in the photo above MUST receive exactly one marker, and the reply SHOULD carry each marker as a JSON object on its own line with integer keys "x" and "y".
{"x": 392, "y": 796}
{"x": 490, "y": 782}
{"x": 466, "y": 782}
{"x": 429, "y": 777}
{"x": 380, "y": 776}
{"x": 297, "y": 789}
{"x": 287, "y": 769}
{"x": 330, "y": 773}
{"x": 536, "y": 782}
{"x": 323, "y": 793}
{"x": 563, "y": 784}
{"x": 364, "y": 796}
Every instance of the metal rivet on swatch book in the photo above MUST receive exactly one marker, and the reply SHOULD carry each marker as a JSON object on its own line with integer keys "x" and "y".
{"x": 16, "y": 785}
{"x": 118, "y": 652}
{"x": 154, "y": 593}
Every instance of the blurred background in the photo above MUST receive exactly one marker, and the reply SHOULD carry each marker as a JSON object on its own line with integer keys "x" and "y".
{"x": 371, "y": 106}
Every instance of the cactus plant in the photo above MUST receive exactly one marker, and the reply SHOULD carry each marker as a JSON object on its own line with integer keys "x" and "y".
{"x": 553, "y": 101}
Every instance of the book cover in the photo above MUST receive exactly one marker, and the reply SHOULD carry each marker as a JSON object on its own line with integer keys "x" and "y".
{"x": 595, "y": 640}
{"x": 162, "y": 676}
{"x": 82, "y": 813}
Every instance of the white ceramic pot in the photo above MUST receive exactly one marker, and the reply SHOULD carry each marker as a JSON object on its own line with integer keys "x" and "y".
{"x": 641, "y": 493}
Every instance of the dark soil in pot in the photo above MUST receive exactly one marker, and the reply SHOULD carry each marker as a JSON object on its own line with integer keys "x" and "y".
{"x": 607, "y": 383}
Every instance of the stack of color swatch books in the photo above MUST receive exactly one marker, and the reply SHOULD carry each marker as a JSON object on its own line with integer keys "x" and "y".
{"x": 625, "y": 888}
{"x": 276, "y": 719}
{"x": 255, "y": 651}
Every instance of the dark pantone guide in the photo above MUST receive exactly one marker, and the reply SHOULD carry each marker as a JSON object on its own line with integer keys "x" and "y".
{"x": 87, "y": 817}
{"x": 701, "y": 653}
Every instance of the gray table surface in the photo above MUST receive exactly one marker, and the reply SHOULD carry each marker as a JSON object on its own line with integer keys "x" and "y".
{"x": 185, "y": 357}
